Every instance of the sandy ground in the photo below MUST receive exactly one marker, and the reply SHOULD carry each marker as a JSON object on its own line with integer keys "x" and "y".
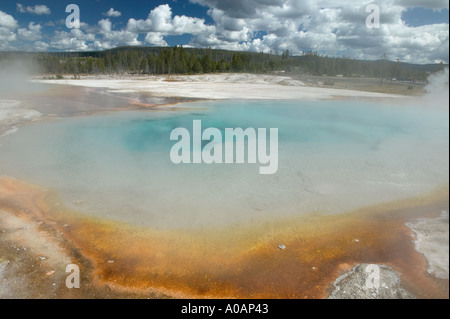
{"x": 34, "y": 252}
{"x": 219, "y": 86}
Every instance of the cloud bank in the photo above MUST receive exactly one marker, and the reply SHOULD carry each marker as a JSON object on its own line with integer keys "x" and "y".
{"x": 38, "y": 9}
{"x": 334, "y": 28}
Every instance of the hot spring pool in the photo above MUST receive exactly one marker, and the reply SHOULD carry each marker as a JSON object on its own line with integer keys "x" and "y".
{"x": 334, "y": 156}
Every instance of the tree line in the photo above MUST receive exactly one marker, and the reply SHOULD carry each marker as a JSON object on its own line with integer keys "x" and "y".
{"x": 180, "y": 60}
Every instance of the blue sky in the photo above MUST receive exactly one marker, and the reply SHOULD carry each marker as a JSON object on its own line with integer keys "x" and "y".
{"x": 412, "y": 31}
{"x": 420, "y": 16}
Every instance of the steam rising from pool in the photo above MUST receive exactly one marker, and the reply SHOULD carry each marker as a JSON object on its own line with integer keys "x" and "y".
{"x": 15, "y": 76}
{"x": 334, "y": 156}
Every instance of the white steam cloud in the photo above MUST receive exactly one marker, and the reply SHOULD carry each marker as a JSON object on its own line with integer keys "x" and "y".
{"x": 14, "y": 85}
{"x": 437, "y": 89}
{"x": 15, "y": 76}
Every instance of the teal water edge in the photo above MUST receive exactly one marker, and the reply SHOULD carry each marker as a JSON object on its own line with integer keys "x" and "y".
{"x": 334, "y": 156}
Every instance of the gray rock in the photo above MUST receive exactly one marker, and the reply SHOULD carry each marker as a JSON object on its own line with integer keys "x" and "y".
{"x": 366, "y": 281}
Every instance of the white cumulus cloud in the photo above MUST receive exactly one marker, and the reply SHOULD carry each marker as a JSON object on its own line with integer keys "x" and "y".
{"x": 8, "y": 25}
{"x": 38, "y": 9}
{"x": 329, "y": 27}
{"x": 33, "y": 32}
{"x": 75, "y": 40}
{"x": 113, "y": 13}
{"x": 40, "y": 46}
{"x": 161, "y": 22}
{"x": 116, "y": 38}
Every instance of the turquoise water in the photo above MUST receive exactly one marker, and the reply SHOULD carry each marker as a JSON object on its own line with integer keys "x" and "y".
{"x": 334, "y": 156}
